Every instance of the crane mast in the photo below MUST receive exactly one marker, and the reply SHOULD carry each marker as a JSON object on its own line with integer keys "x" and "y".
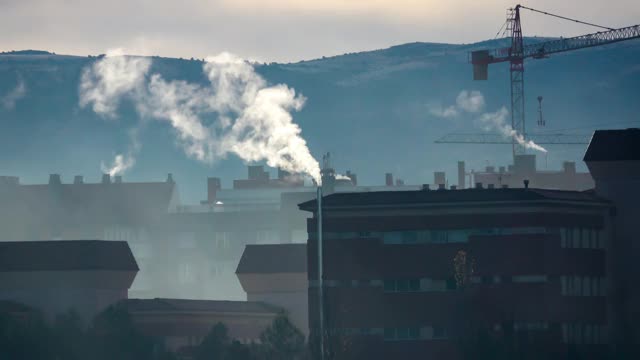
{"x": 517, "y": 52}
{"x": 517, "y": 78}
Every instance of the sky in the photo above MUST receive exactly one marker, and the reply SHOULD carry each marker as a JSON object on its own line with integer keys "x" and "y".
{"x": 280, "y": 30}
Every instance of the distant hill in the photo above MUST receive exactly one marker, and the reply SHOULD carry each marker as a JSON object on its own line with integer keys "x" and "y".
{"x": 370, "y": 109}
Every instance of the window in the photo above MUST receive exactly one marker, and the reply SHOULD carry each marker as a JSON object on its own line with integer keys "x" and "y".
{"x": 186, "y": 274}
{"x": 529, "y": 279}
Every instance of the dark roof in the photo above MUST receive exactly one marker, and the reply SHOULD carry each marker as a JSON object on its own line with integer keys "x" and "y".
{"x": 270, "y": 259}
{"x": 614, "y": 145}
{"x": 66, "y": 255}
{"x": 466, "y": 196}
{"x": 71, "y": 204}
{"x": 8, "y": 306}
{"x": 185, "y": 305}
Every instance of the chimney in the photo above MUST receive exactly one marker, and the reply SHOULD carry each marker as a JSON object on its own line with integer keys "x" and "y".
{"x": 478, "y": 185}
{"x": 54, "y": 179}
{"x": 388, "y": 179}
{"x": 353, "y": 177}
{"x": 441, "y": 187}
{"x": 170, "y": 178}
{"x": 106, "y": 179}
{"x": 425, "y": 187}
{"x": 213, "y": 185}
{"x": 439, "y": 178}
{"x": 78, "y": 179}
{"x": 461, "y": 174}
{"x": 526, "y": 183}
{"x": 118, "y": 179}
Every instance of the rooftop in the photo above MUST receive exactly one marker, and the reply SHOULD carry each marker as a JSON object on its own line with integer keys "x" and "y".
{"x": 271, "y": 259}
{"x": 79, "y": 203}
{"x": 66, "y": 255}
{"x": 186, "y": 305}
{"x": 614, "y": 145}
{"x": 456, "y": 197}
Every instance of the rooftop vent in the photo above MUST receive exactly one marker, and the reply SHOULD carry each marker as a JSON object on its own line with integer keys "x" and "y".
{"x": 491, "y": 186}
{"x": 526, "y": 183}
{"x": 170, "y": 178}
{"x": 478, "y": 185}
{"x": 106, "y": 179}
{"x": 505, "y": 186}
{"x": 78, "y": 179}
{"x": 54, "y": 179}
{"x": 454, "y": 187}
{"x": 425, "y": 187}
{"x": 441, "y": 187}
{"x": 118, "y": 179}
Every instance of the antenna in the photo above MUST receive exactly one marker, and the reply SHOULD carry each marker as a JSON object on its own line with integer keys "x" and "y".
{"x": 541, "y": 121}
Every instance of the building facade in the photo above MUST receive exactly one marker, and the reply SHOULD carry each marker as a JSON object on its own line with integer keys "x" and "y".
{"x": 277, "y": 275}
{"x": 415, "y": 274}
{"x": 54, "y": 277}
{"x": 183, "y": 324}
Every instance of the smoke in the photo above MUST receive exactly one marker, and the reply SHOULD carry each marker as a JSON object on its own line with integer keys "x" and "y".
{"x": 442, "y": 112}
{"x": 123, "y": 162}
{"x": 497, "y": 122}
{"x": 470, "y": 101}
{"x": 18, "y": 92}
{"x": 466, "y": 101}
{"x": 473, "y": 102}
{"x": 236, "y": 113}
{"x": 342, "y": 177}
{"x": 105, "y": 82}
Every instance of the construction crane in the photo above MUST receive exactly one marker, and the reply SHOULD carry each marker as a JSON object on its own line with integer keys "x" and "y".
{"x": 518, "y": 52}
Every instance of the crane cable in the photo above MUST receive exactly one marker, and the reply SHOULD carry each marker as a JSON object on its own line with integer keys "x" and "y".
{"x": 566, "y": 18}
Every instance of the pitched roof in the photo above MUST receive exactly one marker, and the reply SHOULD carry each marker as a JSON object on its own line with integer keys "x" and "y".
{"x": 186, "y": 305}
{"x": 458, "y": 197}
{"x": 614, "y": 145}
{"x": 276, "y": 258}
{"x": 66, "y": 255}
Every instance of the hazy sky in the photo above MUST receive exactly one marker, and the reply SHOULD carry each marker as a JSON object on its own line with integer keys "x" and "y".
{"x": 280, "y": 30}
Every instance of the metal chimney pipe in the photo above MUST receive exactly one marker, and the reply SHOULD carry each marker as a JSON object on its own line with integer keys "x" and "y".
{"x": 320, "y": 273}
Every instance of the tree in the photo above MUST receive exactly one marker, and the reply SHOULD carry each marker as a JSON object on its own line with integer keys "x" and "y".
{"x": 282, "y": 340}
{"x": 214, "y": 345}
{"x": 114, "y": 336}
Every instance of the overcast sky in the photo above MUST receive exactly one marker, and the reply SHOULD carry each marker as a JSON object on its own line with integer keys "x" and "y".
{"x": 280, "y": 30}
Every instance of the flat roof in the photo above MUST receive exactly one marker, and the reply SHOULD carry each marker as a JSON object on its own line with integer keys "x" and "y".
{"x": 460, "y": 197}
{"x": 188, "y": 305}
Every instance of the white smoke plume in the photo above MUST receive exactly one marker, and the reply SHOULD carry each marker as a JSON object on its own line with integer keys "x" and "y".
{"x": 443, "y": 112}
{"x": 470, "y": 101}
{"x": 105, "y": 82}
{"x": 123, "y": 162}
{"x": 237, "y": 112}
{"x": 342, "y": 177}
{"x": 466, "y": 101}
{"x": 18, "y": 92}
{"x": 497, "y": 122}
